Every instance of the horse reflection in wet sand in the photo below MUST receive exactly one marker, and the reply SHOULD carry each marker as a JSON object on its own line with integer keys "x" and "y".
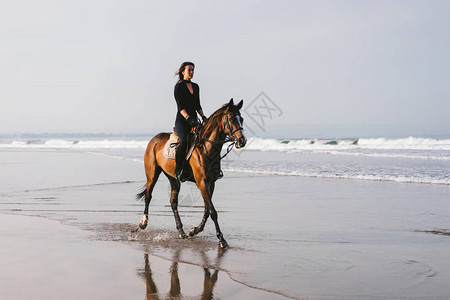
{"x": 152, "y": 292}
{"x": 222, "y": 126}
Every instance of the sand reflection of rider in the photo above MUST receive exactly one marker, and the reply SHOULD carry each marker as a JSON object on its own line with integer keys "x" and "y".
{"x": 209, "y": 280}
{"x": 187, "y": 96}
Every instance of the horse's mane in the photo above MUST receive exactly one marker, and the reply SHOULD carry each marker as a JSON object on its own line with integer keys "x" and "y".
{"x": 213, "y": 120}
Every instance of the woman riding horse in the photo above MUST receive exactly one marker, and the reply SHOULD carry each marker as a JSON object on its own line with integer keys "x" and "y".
{"x": 224, "y": 125}
{"x": 187, "y": 96}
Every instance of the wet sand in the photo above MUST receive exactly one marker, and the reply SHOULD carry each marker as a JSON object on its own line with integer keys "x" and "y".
{"x": 43, "y": 259}
{"x": 68, "y": 219}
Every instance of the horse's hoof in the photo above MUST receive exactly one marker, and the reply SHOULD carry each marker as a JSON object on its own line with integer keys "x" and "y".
{"x": 223, "y": 244}
{"x": 182, "y": 235}
{"x": 193, "y": 231}
{"x": 143, "y": 223}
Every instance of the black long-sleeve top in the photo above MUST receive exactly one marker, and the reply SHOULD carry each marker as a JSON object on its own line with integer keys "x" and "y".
{"x": 185, "y": 100}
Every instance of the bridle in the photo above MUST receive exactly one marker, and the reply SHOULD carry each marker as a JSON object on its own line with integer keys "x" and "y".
{"x": 233, "y": 139}
{"x": 232, "y": 132}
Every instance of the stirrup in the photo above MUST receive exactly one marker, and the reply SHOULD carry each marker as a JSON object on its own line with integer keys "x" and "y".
{"x": 179, "y": 178}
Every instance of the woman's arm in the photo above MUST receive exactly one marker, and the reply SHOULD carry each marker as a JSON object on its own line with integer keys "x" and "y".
{"x": 184, "y": 114}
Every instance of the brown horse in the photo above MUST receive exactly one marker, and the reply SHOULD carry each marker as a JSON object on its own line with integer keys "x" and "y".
{"x": 223, "y": 125}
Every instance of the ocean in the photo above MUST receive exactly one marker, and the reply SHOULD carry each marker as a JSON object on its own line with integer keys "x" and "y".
{"x": 406, "y": 160}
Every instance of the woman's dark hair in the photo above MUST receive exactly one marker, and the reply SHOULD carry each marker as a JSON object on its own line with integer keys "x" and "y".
{"x": 181, "y": 69}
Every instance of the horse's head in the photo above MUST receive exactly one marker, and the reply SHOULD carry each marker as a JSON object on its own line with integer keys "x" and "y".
{"x": 233, "y": 123}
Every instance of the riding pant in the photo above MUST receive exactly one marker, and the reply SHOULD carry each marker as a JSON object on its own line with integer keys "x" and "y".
{"x": 183, "y": 128}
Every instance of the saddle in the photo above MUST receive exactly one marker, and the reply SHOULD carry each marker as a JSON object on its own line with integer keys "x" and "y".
{"x": 170, "y": 148}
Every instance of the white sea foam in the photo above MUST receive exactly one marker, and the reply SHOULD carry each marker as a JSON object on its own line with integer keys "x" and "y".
{"x": 76, "y": 144}
{"x": 410, "y": 143}
{"x": 254, "y": 143}
{"x": 415, "y": 160}
{"x": 373, "y": 177}
{"x": 411, "y": 148}
{"x": 422, "y": 155}
{"x": 405, "y": 143}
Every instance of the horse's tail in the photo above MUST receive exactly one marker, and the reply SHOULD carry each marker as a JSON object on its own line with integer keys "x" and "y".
{"x": 143, "y": 194}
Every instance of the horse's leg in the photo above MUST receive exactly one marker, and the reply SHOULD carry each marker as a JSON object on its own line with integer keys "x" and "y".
{"x": 152, "y": 177}
{"x": 175, "y": 190}
{"x": 223, "y": 244}
{"x": 201, "y": 226}
{"x": 207, "y": 189}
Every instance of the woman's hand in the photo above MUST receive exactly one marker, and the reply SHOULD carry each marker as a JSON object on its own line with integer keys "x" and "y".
{"x": 192, "y": 121}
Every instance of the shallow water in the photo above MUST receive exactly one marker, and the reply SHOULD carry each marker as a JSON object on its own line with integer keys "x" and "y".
{"x": 354, "y": 245}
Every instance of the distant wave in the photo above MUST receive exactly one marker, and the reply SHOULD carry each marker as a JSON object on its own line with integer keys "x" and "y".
{"x": 74, "y": 144}
{"x": 427, "y": 158}
{"x": 254, "y": 143}
{"x": 410, "y": 148}
{"x": 410, "y": 143}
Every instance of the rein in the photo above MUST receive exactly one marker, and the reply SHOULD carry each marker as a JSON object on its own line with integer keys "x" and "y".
{"x": 229, "y": 147}
{"x": 226, "y": 140}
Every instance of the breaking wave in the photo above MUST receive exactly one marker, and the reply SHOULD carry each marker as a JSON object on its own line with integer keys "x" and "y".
{"x": 412, "y": 160}
{"x": 254, "y": 143}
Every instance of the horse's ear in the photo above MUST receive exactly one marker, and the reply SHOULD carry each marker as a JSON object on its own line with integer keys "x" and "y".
{"x": 231, "y": 103}
{"x": 239, "y": 106}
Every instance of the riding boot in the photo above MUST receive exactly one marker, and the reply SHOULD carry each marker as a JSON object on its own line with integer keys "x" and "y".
{"x": 179, "y": 161}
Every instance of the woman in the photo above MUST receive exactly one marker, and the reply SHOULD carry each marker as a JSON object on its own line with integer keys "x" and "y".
{"x": 187, "y": 96}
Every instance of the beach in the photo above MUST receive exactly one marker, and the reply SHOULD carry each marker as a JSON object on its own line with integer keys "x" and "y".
{"x": 69, "y": 217}
{"x": 330, "y": 119}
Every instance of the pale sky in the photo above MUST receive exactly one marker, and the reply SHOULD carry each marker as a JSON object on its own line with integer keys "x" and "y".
{"x": 108, "y": 66}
